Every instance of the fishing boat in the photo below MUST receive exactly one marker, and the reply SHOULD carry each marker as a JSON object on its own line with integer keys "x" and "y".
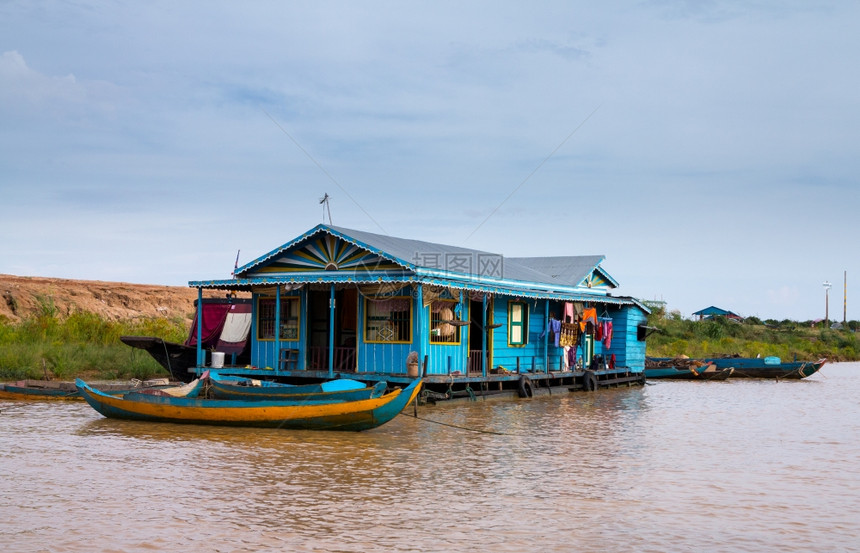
{"x": 742, "y": 367}
{"x": 60, "y": 390}
{"x": 342, "y": 389}
{"x": 768, "y": 367}
{"x": 672, "y": 369}
{"x": 292, "y": 414}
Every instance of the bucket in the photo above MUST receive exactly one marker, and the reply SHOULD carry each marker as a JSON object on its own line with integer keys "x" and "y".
{"x": 217, "y": 359}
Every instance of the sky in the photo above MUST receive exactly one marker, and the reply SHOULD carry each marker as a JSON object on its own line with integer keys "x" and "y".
{"x": 710, "y": 150}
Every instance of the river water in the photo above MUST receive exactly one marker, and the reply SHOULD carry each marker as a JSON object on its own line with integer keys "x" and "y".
{"x": 741, "y": 465}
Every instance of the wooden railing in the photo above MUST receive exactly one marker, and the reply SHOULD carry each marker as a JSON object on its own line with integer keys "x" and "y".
{"x": 476, "y": 361}
{"x": 344, "y": 358}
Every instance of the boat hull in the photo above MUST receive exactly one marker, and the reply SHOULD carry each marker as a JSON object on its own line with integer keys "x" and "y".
{"x": 742, "y": 367}
{"x": 60, "y": 390}
{"x": 309, "y": 415}
{"x": 178, "y": 359}
{"x": 336, "y": 390}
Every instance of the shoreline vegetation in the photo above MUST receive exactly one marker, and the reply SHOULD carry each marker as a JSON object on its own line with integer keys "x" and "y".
{"x": 48, "y": 345}
{"x": 752, "y": 337}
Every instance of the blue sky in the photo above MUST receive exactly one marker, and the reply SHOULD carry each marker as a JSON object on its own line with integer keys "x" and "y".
{"x": 708, "y": 149}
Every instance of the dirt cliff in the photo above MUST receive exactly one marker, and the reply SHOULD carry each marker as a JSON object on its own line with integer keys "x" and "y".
{"x": 21, "y": 297}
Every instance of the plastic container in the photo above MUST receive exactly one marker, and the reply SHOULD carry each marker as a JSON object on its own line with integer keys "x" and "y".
{"x": 217, "y": 359}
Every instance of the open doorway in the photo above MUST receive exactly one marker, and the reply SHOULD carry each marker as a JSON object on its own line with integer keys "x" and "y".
{"x": 319, "y": 326}
{"x": 477, "y": 331}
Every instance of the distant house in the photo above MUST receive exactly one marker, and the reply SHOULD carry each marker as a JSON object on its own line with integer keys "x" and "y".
{"x": 711, "y": 312}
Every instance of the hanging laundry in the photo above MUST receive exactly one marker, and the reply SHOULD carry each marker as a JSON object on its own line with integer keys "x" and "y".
{"x": 571, "y": 357}
{"x": 569, "y": 335}
{"x": 569, "y": 312}
{"x": 588, "y": 315}
{"x": 554, "y": 328}
{"x": 607, "y": 334}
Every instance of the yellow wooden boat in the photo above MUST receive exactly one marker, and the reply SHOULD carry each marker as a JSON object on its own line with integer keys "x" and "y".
{"x": 297, "y": 414}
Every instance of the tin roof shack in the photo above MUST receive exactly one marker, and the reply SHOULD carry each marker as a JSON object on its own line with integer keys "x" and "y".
{"x": 711, "y": 312}
{"x": 340, "y": 302}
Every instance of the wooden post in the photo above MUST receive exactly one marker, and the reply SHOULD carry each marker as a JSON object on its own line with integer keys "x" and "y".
{"x": 331, "y": 305}
{"x": 484, "y": 330}
{"x": 546, "y": 337}
{"x": 200, "y": 355}
{"x": 277, "y": 328}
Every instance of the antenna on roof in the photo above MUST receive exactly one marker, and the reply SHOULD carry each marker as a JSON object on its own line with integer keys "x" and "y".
{"x": 236, "y": 264}
{"x": 326, "y": 208}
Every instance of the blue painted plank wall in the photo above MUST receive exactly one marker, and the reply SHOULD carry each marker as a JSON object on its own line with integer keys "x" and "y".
{"x": 379, "y": 357}
{"x": 532, "y": 353}
{"x": 628, "y": 349}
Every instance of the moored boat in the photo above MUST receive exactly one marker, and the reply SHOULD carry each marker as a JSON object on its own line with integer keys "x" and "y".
{"x": 60, "y": 390}
{"x": 308, "y": 414}
{"x": 768, "y": 367}
{"x": 740, "y": 367}
{"x": 225, "y": 326}
{"x": 343, "y": 389}
{"x": 685, "y": 369}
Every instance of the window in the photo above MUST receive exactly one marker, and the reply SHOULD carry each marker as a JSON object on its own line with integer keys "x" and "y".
{"x": 518, "y": 323}
{"x": 442, "y": 331}
{"x": 289, "y": 318}
{"x": 388, "y": 321}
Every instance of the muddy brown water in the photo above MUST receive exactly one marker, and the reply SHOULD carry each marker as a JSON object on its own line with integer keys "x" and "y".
{"x": 741, "y": 465}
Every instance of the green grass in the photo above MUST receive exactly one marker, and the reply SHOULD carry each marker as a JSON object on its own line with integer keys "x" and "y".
{"x": 784, "y": 339}
{"x": 82, "y": 344}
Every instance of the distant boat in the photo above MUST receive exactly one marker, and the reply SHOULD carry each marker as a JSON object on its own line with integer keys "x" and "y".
{"x": 311, "y": 415}
{"x": 343, "y": 389}
{"x": 226, "y": 323}
{"x": 742, "y": 367}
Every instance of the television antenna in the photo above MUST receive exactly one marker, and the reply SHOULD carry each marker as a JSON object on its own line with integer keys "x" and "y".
{"x": 325, "y": 201}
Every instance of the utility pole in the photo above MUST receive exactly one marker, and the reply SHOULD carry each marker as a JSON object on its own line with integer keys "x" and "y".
{"x": 827, "y": 286}
{"x": 845, "y": 299}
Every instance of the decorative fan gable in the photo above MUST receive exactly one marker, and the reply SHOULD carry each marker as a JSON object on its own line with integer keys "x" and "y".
{"x": 328, "y": 253}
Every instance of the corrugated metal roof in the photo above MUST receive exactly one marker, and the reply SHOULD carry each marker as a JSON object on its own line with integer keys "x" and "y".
{"x": 549, "y": 277}
{"x": 568, "y": 270}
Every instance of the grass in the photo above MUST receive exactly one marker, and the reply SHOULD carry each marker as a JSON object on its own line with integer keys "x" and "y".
{"x": 80, "y": 345}
{"x": 785, "y": 339}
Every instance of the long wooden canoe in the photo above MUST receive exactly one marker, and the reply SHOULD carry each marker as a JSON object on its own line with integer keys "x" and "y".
{"x": 742, "y": 367}
{"x": 312, "y": 415}
{"x": 54, "y": 389}
{"x": 344, "y": 389}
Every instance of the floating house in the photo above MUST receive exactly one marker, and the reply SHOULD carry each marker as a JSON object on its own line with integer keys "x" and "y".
{"x": 336, "y": 302}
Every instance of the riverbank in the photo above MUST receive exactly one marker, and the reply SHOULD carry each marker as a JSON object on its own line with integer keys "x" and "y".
{"x": 786, "y": 339}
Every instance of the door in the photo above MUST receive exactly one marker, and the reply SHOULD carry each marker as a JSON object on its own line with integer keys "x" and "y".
{"x": 318, "y": 325}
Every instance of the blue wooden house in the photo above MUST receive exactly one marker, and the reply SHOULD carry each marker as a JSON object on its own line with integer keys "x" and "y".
{"x": 341, "y": 302}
